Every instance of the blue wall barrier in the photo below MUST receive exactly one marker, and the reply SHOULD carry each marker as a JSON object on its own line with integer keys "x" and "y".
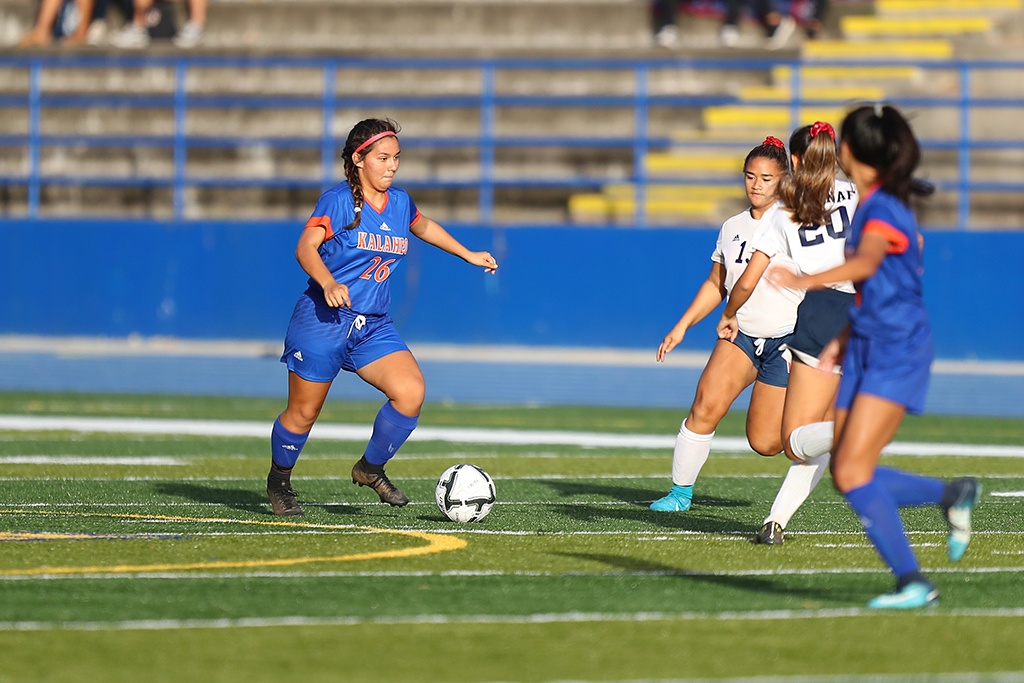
{"x": 559, "y": 286}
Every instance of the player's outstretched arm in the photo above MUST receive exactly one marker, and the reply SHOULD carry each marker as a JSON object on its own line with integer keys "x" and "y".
{"x": 432, "y": 232}
{"x": 859, "y": 267}
{"x": 708, "y": 297}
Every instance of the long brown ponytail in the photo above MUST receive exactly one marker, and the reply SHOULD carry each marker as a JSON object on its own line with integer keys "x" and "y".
{"x": 806, "y": 192}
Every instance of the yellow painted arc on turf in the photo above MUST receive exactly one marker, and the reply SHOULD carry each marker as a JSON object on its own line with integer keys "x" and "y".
{"x": 436, "y": 543}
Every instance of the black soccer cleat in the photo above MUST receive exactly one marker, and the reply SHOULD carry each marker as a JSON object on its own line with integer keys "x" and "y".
{"x": 366, "y": 474}
{"x": 282, "y": 496}
{"x": 771, "y": 533}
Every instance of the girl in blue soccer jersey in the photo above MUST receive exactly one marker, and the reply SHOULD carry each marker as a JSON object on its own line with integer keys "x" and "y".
{"x": 886, "y": 352}
{"x": 358, "y": 234}
{"x": 754, "y": 356}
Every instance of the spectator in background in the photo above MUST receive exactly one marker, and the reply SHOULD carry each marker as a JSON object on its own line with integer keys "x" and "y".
{"x": 67, "y": 20}
{"x": 778, "y": 27}
{"x": 663, "y": 16}
{"x": 815, "y": 20}
{"x": 148, "y": 14}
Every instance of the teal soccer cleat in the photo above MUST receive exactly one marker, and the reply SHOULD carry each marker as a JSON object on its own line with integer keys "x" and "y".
{"x": 915, "y": 594}
{"x": 678, "y": 499}
{"x": 964, "y": 494}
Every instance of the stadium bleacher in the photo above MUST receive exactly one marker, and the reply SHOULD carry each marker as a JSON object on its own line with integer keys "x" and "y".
{"x": 255, "y": 145}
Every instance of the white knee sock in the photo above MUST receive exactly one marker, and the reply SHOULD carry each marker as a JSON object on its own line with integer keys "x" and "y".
{"x": 801, "y": 478}
{"x": 690, "y": 454}
{"x": 810, "y": 441}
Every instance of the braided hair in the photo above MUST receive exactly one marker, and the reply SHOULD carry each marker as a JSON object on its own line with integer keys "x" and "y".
{"x": 360, "y": 133}
{"x": 880, "y": 137}
{"x": 806, "y": 193}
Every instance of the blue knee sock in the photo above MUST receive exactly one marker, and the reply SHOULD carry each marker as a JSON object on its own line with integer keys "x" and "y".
{"x": 881, "y": 519}
{"x": 910, "y": 489}
{"x": 285, "y": 446}
{"x": 390, "y": 430}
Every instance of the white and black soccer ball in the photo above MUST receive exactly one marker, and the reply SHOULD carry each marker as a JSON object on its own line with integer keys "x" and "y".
{"x": 464, "y": 493}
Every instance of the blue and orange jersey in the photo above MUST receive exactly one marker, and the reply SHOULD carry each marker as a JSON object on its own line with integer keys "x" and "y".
{"x": 364, "y": 258}
{"x": 889, "y": 304}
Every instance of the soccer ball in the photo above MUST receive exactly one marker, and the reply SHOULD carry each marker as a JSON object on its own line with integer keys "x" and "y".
{"x": 464, "y": 493}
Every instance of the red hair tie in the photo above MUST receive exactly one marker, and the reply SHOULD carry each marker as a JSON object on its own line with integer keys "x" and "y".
{"x": 821, "y": 126}
{"x": 774, "y": 142}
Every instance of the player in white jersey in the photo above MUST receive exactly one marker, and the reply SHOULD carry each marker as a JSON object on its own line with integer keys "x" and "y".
{"x": 755, "y": 356}
{"x": 810, "y": 229}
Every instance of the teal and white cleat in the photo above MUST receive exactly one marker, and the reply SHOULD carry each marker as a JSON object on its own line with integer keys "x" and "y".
{"x": 915, "y": 594}
{"x": 678, "y": 499}
{"x": 964, "y": 494}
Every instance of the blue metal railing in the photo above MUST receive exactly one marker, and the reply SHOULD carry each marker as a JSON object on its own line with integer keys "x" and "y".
{"x": 488, "y": 100}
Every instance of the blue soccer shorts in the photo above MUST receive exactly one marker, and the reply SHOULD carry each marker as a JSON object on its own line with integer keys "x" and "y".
{"x": 898, "y": 371}
{"x": 821, "y": 317}
{"x": 322, "y": 341}
{"x": 768, "y": 356}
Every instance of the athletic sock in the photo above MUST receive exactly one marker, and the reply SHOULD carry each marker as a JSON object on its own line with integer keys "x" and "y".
{"x": 690, "y": 454}
{"x": 910, "y": 489}
{"x": 801, "y": 478}
{"x": 810, "y": 441}
{"x": 881, "y": 520}
{"x": 390, "y": 430}
{"x": 285, "y": 446}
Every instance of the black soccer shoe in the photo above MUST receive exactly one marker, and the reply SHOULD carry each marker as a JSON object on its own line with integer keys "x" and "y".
{"x": 770, "y": 534}
{"x": 366, "y": 474}
{"x": 282, "y": 496}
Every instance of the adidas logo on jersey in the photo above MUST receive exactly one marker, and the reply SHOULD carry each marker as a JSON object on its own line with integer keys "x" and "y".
{"x": 385, "y": 227}
{"x": 735, "y": 238}
{"x": 297, "y": 355}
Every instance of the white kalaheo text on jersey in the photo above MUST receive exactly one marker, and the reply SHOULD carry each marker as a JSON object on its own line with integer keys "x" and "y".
{"x": 770, "y": 311}
{"x": 812, "y": 248}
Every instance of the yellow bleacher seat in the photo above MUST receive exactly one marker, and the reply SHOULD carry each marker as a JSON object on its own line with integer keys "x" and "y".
{"x": 906, "y": 26}
{"x": 866, "y": 74}
{"x": 782, "y": 93}
{"x": 601, "y": 207}
{"x": 932, "y": 7}
{"x": 768, "y": 118}
{"x": 694, "y": 162}
{"x": 671, "y": 191}
{"x": 878, "y": 49}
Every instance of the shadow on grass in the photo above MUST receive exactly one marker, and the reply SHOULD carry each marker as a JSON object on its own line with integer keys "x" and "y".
{"x": 779, "y": 586}
{"x": 697, "y": 520}
{"x": 253, "y": 501}
{"x": 239, "y": 499}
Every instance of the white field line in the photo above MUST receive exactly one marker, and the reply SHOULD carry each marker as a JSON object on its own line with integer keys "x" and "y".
{"x": 443, "y": 619}
{"x": 348, "y": 432}
{"x": 274, "y": 575}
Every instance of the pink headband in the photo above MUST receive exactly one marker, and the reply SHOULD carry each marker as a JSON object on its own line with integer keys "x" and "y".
{"x": 774, "y": 142}
{"x": 822, "y": 126}
{"x": 372, "y": 140}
